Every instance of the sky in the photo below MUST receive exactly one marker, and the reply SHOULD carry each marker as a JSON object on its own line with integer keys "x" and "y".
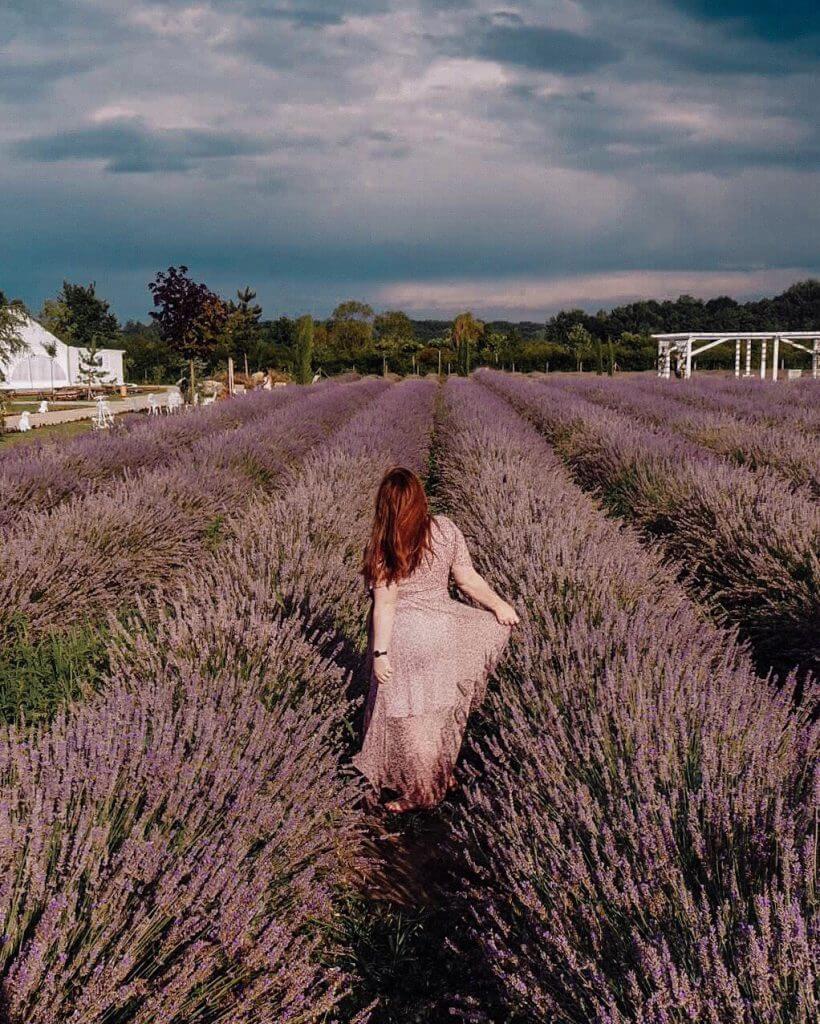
{"x": 510, "y": 158}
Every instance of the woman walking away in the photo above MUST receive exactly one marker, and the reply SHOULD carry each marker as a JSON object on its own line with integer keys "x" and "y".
{"x": 428, "y": 655}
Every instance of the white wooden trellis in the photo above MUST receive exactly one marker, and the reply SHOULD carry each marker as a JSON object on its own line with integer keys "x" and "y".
{"x": 683, "y": 347}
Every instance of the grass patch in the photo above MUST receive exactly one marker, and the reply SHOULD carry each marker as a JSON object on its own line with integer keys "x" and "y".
{"x": 39, "y": 674}
{"x": 56, "y": 432}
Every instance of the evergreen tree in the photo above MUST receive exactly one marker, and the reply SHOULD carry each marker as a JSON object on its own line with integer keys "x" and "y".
{"x": 304, "y": 349}
{"x": 243, "y": 330}
{"x": 78, "y": 316}
{"x": 90, "y": 366}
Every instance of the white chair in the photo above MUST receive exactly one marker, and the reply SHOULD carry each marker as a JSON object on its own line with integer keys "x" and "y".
{"x": 174, "y": 402}
{"x": 43, "y": 407}
{"x": 24, "y": 423}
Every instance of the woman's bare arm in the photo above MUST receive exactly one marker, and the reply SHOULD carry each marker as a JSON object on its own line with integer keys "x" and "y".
{"x": 475, "y": 586}
{"x": 384, "y": 612}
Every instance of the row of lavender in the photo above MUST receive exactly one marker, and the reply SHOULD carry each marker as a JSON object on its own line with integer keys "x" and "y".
{"x": 744, "y": 541}
{"x": 174, "y": 849}
{"x": 97, "y": 551}
{"x": 640, "y": 818}
{"x": 752, "y": 399}
{"x": 793, "y": 453}
{"x": 39, "y": 477}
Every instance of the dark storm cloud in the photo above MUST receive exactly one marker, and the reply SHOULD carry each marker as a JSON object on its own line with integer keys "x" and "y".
{"x": 314, "y": 13}
{"x": 22, "y": 82}
{"x": 128, "y": 146}
{"x": 596, "y": 134}
{"x": 344, "y": 144}
{"x": 540, "y": 48}
{"x": 738, "y": 56}
{"x": 770, "y": 19}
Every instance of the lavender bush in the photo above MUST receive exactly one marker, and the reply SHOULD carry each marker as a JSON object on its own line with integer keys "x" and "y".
{"x": 100, "y": 550}
{"x": 191, "y": 826}
{"x": 33, "y": 478}
{"x": 792, "y": 453}
{"x": 742, "y": 539}
{"x": 641, "y": 818}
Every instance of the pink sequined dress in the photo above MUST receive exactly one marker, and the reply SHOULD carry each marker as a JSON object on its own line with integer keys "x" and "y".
{"x": 441, "y": 653}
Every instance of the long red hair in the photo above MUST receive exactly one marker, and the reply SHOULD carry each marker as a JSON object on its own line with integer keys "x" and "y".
{"x": 401, "y": 528}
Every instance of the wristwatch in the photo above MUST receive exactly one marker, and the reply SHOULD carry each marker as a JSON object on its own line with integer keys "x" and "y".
{"x": 378, "y": 654}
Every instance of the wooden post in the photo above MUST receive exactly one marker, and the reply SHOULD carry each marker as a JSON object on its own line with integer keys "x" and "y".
{"x": 439, "y": 362}
{"x": 230, "y": 375}
{"x": 763, "y": 360}
{"x": 737, "y": 357}
{"x": 245, "y": 354}
{"x": 748, "y": 372}
{"x": 775, "y": 355}
{"x": 815, "y": 359}
{"x": 688, "y": 370}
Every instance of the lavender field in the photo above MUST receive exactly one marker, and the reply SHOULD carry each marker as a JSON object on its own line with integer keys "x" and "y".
{"x": 182, "y": 636}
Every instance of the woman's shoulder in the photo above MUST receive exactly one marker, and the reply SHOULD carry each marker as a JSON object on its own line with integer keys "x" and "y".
{"x": 445, "y": 527}
{"x": 442, "y": 521}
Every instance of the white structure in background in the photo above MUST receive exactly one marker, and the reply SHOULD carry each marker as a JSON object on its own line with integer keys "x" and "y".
{"x": 681, "y": 347}
{"x": 33, "y": 369}
{"x": 24, "y": 422}
{"x": 174, "y": 402}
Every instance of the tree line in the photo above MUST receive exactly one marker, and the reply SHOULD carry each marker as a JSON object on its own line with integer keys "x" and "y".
{"x": 192, "y": 331}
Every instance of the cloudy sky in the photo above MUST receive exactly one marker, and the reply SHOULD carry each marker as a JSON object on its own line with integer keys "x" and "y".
{"x": 433, "y": 155}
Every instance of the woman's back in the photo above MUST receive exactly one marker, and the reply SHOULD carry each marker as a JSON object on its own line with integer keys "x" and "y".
{"x": 430, "y": 578}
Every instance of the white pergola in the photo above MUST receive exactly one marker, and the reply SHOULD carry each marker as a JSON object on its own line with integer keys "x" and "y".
{"x": 683, "y": 345}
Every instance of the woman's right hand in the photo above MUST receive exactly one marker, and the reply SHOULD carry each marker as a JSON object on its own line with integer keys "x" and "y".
{"x": 506, "y": 614}
{"x": 382, "y": 669}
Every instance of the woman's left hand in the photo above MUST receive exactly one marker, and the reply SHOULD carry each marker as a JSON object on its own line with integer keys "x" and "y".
{"x": 506, "y": 614}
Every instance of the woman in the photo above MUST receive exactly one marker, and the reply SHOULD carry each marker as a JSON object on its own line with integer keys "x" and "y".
{"x": 428, "y": 655}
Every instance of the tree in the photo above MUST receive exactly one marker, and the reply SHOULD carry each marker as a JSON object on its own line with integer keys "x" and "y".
{"x": 304, "y": 349}
{"x": 394, "y": 334}
{"x": 350, "y": 334}
{"x": 90, "y": 368}
{"x": 442, "y": 344}
{"x": 11, "y": 320}
{"x": 466, "y": 333}
{"x": 242, "y": 328}
{"x": 188, "y": 314}
{"x": 50, "y": 348}
{"x": 78, "y": 316}
{"x": 492, "y": 344}
{"x": 149, "y": 358}
{"x": 511, "y": 350}
{"x": 635, "y": 351}
{"x": 579, "y": 342}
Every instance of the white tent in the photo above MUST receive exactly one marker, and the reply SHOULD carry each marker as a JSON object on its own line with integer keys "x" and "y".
{"x": 33, "y": 369}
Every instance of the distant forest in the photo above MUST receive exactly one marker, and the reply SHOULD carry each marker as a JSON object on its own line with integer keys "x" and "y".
{"x": 193, "y": 328}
